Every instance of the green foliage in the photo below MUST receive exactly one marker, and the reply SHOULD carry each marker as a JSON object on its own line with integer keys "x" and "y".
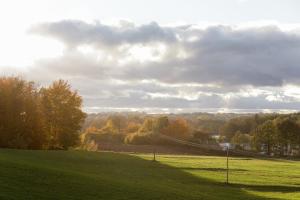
{"x": 240, "y": 138}
{"x": 265, "y": 134}
{"x": 242, "y": 124}
{"x": 245, "y": 124}
{"x": 287, "y": 130}
{"x": 209, "y": 125}
{"x": 203, "y": 137}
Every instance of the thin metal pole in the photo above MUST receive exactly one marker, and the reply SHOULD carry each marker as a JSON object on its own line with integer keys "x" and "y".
{"x": 227, "y": 171}
{"x": 154, "y": 150}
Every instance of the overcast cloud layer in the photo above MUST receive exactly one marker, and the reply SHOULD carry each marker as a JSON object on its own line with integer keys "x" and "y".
{"x": 180, "y": 68}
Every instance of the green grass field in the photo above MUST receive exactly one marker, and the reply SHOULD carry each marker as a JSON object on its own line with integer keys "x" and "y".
{"x": 103, "y": 175}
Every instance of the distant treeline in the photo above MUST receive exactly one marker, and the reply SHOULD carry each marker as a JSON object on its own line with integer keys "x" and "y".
{"x": 270, "y": 133}
{"x": 146, "y": 129}
{"x": 133, "y": 129}
{"x": 34, "y": 117}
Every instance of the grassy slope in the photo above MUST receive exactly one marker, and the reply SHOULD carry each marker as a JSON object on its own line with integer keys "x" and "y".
{"x": 92, "y": 175}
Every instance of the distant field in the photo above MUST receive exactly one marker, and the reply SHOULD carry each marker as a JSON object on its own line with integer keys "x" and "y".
{"x": 93, "y": 175}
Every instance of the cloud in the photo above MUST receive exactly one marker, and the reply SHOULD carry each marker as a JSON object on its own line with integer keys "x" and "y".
{"x": 178, "y": 67}
{"x": 75, "y": 32}
{"x": 258, "y": 56}
{"x": 222, "y": 55}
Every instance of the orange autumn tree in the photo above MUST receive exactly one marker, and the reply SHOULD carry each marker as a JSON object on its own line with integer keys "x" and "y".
{"x": 21, "y": 123}
{"x": 132, "y": 127}
{"x": 177, "y": 128}
{"x": 62, "y": 113}
{"x": 39, "y": 118}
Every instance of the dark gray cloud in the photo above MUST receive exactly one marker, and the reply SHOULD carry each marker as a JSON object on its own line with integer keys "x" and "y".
{"x": 263, "y": 56}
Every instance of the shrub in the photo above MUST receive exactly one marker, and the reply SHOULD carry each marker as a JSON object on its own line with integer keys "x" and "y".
{"x": 103, "y": 137}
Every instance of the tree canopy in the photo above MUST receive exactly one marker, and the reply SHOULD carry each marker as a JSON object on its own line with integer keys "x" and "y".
{"x": 33, "y": 118}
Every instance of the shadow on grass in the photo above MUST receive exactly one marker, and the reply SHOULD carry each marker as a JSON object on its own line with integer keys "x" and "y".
{"x": 268, "y": 188}
{"x": 234, "y": 158}
{"x": 104, "y": 175}
{"x": 275, "y": 159}
{"x": 206, "y": 169}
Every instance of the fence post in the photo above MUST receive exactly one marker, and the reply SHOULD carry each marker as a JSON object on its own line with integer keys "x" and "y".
{"x": 154, "y": 154}
{"x": 227, "y": 170}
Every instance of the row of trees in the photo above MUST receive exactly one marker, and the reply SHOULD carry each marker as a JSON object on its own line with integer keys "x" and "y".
{"x": 140, "y": 129}
{"x": 119, "y": 129}
{"x": 272, "y": 133}
{"x": 39, "y": 118}
{"x": 279, "y": 136}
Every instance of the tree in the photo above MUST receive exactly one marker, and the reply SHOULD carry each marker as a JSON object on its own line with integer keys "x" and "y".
{"x": 244, "y": 124}
{"x": 202, "y": 137}
{"x": 160, "y": 123}
{"x": 62, "y": 113}
{"x": 265, "y": 135}
{"x": 147, "y": 126}
{"x": 241, "y": 139}
{"x": 178, "y": 128}
{"x": 132, "y": 127}
{"x": 114, "y": 125}
{"x": 21, "y": 124}
{"x": 287, "y": 132}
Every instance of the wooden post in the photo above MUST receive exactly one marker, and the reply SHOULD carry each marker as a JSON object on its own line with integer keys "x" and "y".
{"x": 154, "y": 154}
{"x": 227, "y": 171}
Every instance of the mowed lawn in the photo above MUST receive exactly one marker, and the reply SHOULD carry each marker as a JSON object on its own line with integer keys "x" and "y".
{"x": 104, "y": 175}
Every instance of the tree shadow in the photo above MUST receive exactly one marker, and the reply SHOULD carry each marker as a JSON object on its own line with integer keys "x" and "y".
{"x": 242, "y": 158}
{"x": 187, "y": 186}
{"x": 211, "y": 169}
{"x": 268, "y": 188}
{"x": 107, "y": 175}
{"x": 275, "y": 159}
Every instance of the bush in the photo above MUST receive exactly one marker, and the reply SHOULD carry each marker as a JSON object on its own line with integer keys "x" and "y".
{"x": 103, "y": 137}
{"x": 137, "y": 138}
{"x": 146, "y": 139}
{"x": 142, "y": 138}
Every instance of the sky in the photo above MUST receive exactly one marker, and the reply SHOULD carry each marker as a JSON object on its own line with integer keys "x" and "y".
{"x": 159, "y": 56}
